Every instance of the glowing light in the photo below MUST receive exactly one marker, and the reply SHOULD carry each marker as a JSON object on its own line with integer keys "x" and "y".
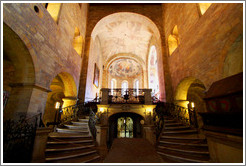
{"x": 192, "y": 105}
{"x": 101, "y": 110}
{"x": 149, "y": 110}
{"x": 57, "y": 105}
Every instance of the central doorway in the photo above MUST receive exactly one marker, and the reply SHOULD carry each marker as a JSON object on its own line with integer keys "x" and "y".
{"x": 125, "y": 127}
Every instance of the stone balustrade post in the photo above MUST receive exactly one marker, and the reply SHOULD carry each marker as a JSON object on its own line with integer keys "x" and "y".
{"x": 147, "y": 96}
{"x": 105, "y": 92}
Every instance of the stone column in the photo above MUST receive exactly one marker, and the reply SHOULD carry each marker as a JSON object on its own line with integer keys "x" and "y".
{"x": 101, "y": 139}
{"x": 25, "y": 99}
{"x": 38, "y": 155}
{"x": 149, "y": 133}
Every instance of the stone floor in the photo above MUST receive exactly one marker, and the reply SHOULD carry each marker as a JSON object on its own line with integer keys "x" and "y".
{"x": 132, "y": 150}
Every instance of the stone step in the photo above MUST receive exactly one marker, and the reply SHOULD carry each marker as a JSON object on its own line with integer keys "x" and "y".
{"x": 68, "y": 154}
{"x": 191, "y": 131}
{"x": 69, "y": 141}
{"x": 183, "y": 157}
{"x": 195, "y": 137}
{"x": 183, "y": 143}
{"x": 77, "y": 127}
{"x": 172, "y": 124}
{"x": 169, "y": 121}
{"x": 83, "y": 120}
{"x": 67, "y": 135}
{"x": 183, "y": 150}
{"x": 67, "y": 147}
{"x": 64, "y": 130}
{"x": 79, "y": 123}
{"x": 182, "y": 140}
{"x": 176, "y": 127}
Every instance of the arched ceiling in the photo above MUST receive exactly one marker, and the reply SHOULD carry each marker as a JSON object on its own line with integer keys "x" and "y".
{"x": 125, "y": 32}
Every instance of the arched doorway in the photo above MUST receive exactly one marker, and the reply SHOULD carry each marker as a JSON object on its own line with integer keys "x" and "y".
{"x": 124, "y": 125}
{"x": 190, "y": 93}
{"x": 63, "y": 93}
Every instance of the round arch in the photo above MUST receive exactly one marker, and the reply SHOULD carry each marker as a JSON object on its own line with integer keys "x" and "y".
{"x": 18, "y": 73}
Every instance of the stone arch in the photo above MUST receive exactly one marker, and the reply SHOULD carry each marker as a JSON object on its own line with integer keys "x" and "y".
{"x": 15, "y": 50}
{"x": 190, "y": 90}
{"x": 19, "y": 74}
{"x": 137, "y": 126}
{"x": 64, "y": 91}
{"x": 155, "y": 36}
{"x": 183, "y": 87}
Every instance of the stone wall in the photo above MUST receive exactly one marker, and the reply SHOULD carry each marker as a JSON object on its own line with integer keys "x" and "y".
{"x": 49, "y": 43}
{"x": 204, "y": 39}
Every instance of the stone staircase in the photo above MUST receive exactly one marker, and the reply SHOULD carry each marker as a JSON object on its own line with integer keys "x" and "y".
{"x": 72, "y": 143}
{"x": 182, "y": 144}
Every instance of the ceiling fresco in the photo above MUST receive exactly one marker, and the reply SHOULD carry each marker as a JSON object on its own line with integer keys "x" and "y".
{"x": 125, "y": 68}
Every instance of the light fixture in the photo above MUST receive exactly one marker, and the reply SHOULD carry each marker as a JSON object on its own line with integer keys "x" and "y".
{"x": 57, "y": 105}
{"x": 192, "y": 105}
{"x": 101, "y": 110}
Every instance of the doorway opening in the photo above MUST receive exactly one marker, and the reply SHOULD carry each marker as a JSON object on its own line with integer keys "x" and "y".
{"x": 125, "y": 127}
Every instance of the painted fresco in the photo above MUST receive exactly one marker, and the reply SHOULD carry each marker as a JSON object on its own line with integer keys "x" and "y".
{"x": 125, "y": 68}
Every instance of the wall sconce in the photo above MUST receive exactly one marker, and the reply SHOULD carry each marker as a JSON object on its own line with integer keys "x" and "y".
{"x": 192, "y": 105}
{"x": 101, "y": 110}
{"x": 148, "y": 111}
{"x": 57, "y": 105}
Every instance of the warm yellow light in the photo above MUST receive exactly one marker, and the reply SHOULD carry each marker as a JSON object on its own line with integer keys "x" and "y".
{"x": 54, "y": 9}
{"x": 149, "y": 110}
{"x": 192, "y": 105}
{"x": 204, "y": 7}
{"x": 57, "y": 105}
{"x": 101, "y": 110}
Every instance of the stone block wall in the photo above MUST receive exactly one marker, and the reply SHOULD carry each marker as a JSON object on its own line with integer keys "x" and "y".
{"x": 204, "y": 39}
{"x": 49, "y": 43}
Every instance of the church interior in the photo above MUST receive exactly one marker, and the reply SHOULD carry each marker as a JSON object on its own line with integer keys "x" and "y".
{"x": 122, "y": 82}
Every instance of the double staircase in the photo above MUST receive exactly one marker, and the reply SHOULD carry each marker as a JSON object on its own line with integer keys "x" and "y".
{"x": 72, "y": 143}
{"x": 182, "y": 144}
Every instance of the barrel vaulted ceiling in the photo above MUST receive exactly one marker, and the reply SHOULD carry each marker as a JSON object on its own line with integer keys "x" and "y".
{"x": 126, "y": 33}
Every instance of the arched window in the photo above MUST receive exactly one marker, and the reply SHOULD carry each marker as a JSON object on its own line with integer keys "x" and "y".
{"x": 173, "y": 40}
{"x": 112, "y": 86}
{"x": 153, "y": 72}
{"x": 124, "y": 86}
{"x": 77, "y": 41}
{"x": 54, "y": 10}
{"x": 203, "y": 7}
{"x": 136, "y": 87}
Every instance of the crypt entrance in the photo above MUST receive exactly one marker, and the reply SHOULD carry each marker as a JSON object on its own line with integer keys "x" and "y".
{"x": 124, "y": 125}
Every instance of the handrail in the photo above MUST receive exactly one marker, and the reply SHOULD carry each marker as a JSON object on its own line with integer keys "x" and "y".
{"x": 184, "y": 115}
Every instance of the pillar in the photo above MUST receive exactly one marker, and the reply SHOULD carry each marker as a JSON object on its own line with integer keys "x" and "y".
{"x": 38, "y": 155}
{"x": 101, "y": 139}
{"x": 149, "y": 133}
{"x": 26, "y": 100}
{"x": 147, "y": 96}
{"x": 105, "y": 92}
